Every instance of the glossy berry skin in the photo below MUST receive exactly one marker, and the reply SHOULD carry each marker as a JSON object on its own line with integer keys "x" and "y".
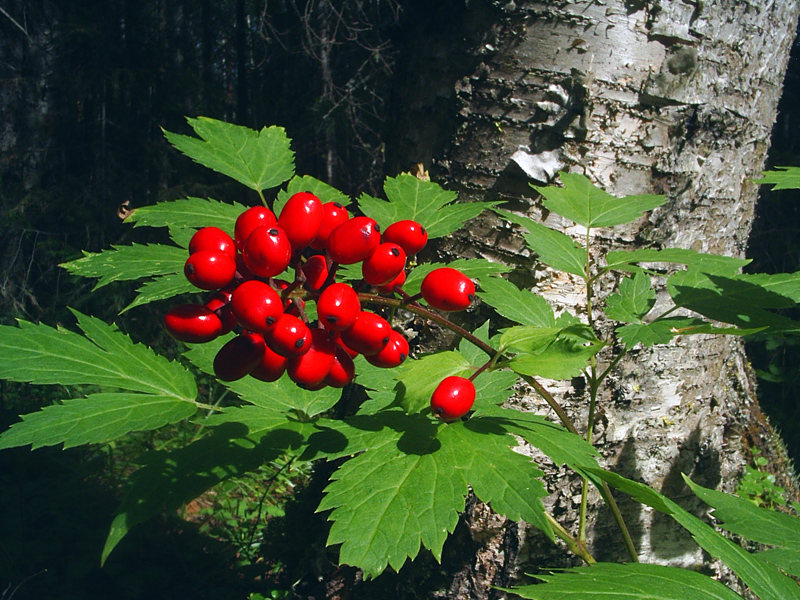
{"x": 212, "y": 238}
{"x": 210, "y": 269}
{"x": 220, "y": 304}
{"x": 448, "y": 289}
{"x": 354, "y": 240}
{"x": 239, "y": 356}
{"x": 301, "y": 218}
{"x": 396, "y": 282}
{"x": 393, "y": 354}
{"x": 267, "y": 251}
{"x": 249, "y": 221}
{"x": 315, "y": 270}
{"x": 409, "y": 235}
{"x": 333, "y": 215}
{"x": 271, "y": 367}
{"x": 310, "y": 369}
{"x": 289, "y": 336}
{"x": 453, "y": 398}
{"x": 338, "y": 307}
{"x": 383, "y": 265}
{"x": 193, "y": 323}
{"x": 256, "y": 305}
{"x": 368, "y": 335}
{"x": 342, "y": 371}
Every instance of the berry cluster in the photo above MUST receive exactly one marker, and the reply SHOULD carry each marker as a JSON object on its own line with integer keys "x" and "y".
{"x": 274, "y": 333}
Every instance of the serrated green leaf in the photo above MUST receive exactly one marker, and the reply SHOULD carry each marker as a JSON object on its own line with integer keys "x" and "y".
{"x": 96, "y": 419}
{"x": 551, "y": 352}
{"x": 418, "y": 378}
{"x": 633, "y": 301}
{"x": 379, "y": 384}
{"x": 611, "y": 581}
{"x": 306, "y": 183}
{"x": 662, "y": 331}
{"x": 586, "y": 204}
{"x": 479, "y": 269}
{"x": 528, "y": 338}
{"x": 189, "y": 213}
{"x": 553, "y": 248}
{"x": 520, "y": 306}
{"x": 161, "y": 288}
{"x": 707, "y": 263}
{"x": 425, "y": 202}
{"x": 493, "y": 387}
{"x": 126, "y": 263}
{"x": 257, "y": 159}
{"x": 763, "y": 578}
{"x": 783, "y": 178}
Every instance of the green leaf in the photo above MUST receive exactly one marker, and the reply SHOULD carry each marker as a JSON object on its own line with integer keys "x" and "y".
{"x": 125, "y": 263}
{"x": 783, "y": 178}
{"x": 586, "y": 204}
{"x": 633, "y": 301}
{"x": 425, "y": 202}
{"x": 611, "y": 581}
{"x": 662, "y": 331}
{"x": 161, "y": 288}
{"x": 479, "y": 269}
{"x": 707, "y": 263}
{"x": 257, "y": 159}
{"x": 378, "y": 383}
{"x": 418, "y": 378}
{"x": 189, "y": 213}
{"x": 550, "y": 352}
{"x": 306, "y": 183}
{"x": 158, "y": 391}
{"x": 553, "y": 248}
{"x": 520, "y": 306}
{"x": 473, "y": 354}
{"x": 764, "y": 579}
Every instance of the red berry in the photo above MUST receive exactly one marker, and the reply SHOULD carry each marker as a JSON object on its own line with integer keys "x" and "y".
{"x": 289, "y": 336}
{"x": 453, "y": 398}
{"x": 212, "y": 238}
{"x": 448, "y": 289}
{"x": 368, "y": 335}
{"x": 301, "y": 218}
{"x": 193, "y": 323}
{"x": 315, "y": 270}
{"x": 310, "y": 369}
{"x": 220, "y": 303}
{"x": 396, "y": 282}
{"x": 271, "y": 367}
{"x": 339, "y": 343}
{"x": 210, "y": 269}
{"x": 239, "y": 356}
{"x": 342, "y": 371}
{"x": 256, "y": 305}
{"x": 383, "y": 265}
{"x": 249, "y": 221}
{"x": 267, "y": 251}
{"x": 354, "y": 240}
{"x": 333, "y": 215}
{"x": 338, "y": 307}
{"x": 409, "y": 235}
{"x": 393, "y": 354}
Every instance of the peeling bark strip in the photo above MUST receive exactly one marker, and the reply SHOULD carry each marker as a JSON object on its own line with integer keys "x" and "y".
{"x": 674, "y": 97}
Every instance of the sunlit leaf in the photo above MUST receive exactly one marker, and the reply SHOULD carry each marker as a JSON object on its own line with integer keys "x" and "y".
{"x": 306, "y": 183}
{"x": 783, "y": 178}
{"x": 189, "y": 213}
{"x": 520, "y": 306}
{"x": 633, "y": 301}
{"x": 126, "y": 263}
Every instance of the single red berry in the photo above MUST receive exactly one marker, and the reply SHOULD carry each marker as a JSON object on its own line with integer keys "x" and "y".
{"x": 369, "y": 334}
{"x": 338, "y": 307}
{"x": 239, "y": 356}
{"x": 249, "y": 221}
{"x": 310, "y": 369}
{"x": 212, "y": 238}
{"x": 383, "y": 265}
{"x": 210, "y": 269}
{"x": 389, "y": 288}
{"x": 453, "y": 398}
{"x": 289, "y": 336}
{"x": 393, "y": 354}
{"x": 448, "y": 289}
{"x": 267, "y": 251}
{"x": 193, "y": 323}
{"x": 315, "y": 270}
{"x": 409, "y": 235}
{"x": 333, "y": 215}
{"x": 256, "y": 305}
{"x": 220, "y": 303}
{"x": 271, "y": 367}
{"x": 354, "y": 240}
{"x": 342, "y": 371}
{"x": 301, "y": 218}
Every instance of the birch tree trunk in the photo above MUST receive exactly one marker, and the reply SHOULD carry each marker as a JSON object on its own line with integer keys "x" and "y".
{"x": 673, "y": 97}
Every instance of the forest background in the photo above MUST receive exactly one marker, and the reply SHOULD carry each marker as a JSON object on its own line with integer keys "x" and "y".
{"x": 86, "y": 88}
